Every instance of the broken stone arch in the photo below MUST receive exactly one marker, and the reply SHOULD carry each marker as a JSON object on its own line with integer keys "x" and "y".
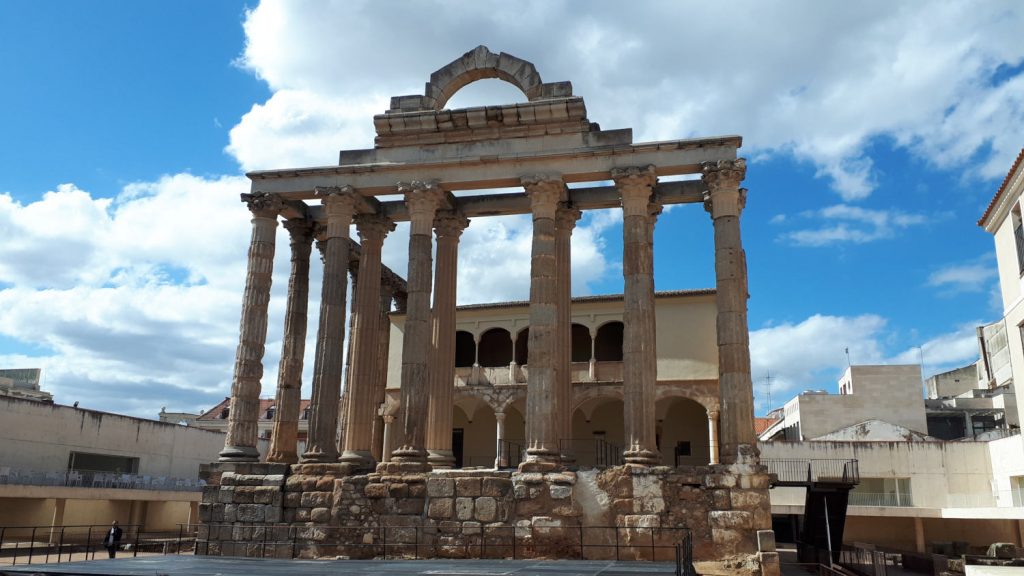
{"x": 478, "y": 64}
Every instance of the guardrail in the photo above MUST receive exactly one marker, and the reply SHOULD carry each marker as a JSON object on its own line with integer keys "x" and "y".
{"x": 591, "y": 452}
{"x": 888, "y": 499}
{"x": 97, "y": 479}
{"x": 806, "y": 471}
{"x": 34, "y": 544}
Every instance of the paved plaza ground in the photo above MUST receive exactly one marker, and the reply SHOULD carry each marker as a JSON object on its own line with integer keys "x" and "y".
{"x": 203, "y": 566}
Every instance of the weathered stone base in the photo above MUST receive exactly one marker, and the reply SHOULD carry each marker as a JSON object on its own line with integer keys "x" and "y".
{"x": 326, "y": 510}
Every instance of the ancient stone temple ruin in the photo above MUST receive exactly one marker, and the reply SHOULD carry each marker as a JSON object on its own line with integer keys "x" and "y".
{"x": 378, "y": 469}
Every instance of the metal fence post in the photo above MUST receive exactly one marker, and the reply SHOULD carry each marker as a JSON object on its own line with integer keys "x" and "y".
{"x": 60, "y": 544}
{"x": 616, "y": 528}
{"x": 583, "y": 555}
{"x": 31, "y": 545}
{"x": 88, "y": 544}
{"x": 135, "y": 551}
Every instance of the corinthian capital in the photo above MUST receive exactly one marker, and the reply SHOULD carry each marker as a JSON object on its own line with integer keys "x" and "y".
{"x": 545, "y": 192}
{"x": 450, "y": 224}
{"x": 724, "y": 197}
{"x": 635, "y": 184}
{"x": 339, "y": 203}
{"x": 724, "y": 174}
{"x": 263, "y": 204}
{"x": 566, "y": 216}
{"x": 373, "y": 228}
{"x": 300, "y": 230}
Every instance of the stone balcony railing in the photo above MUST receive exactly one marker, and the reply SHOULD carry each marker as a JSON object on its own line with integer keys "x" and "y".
{"x": 97, "y": 479}
{"x": 515, "y": 374}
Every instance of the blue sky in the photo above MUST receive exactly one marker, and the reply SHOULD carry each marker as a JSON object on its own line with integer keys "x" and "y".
{"x": 875, "y": 137}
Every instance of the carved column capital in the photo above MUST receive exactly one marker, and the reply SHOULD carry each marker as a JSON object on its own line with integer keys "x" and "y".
{"x": 373, "y": 228}
{"x": 635, "y": 184}
{"x": 422, "y": 199}
{"x": 545, "y": 192}
{"x": 263, "y": 204}
{"x": 450, "y": 224}
{"x": 339, "y": 203}
{"x": 724, "y": 197}
{"x": 566, "y": 216}
{"x": 712, "y": 414}
{"x": 300, "y": 230}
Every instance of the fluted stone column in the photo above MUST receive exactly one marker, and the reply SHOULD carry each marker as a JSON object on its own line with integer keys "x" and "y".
{"x": 565, "y": 221}
{"x": 543, "y": 401}
{"x": 713, "y": 435}
{"x": 389, "y": 429}
{"x": 365, "y": 345}
{"x": 353, "y": 315}
{"x": 381, "y": 376}
{"x": 289, "y": 378}
{"x": 240, "y": 443}
{"x": 639, "y": 356}
{"x": 321, "y": 446}
{"x": 423, "y": 200}
{"x": 724, "y": 199}
{"x": 449, "y": 227}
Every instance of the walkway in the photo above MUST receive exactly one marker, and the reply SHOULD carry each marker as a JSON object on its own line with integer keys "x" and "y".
{"x": 211, "y": 566}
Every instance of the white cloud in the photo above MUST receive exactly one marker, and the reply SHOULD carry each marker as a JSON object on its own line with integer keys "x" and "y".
{"x": 938, "y": 80}
{"x": 847, "y": 223}
{"x": 964, "y": 277}
{"x": 945, "y": 351}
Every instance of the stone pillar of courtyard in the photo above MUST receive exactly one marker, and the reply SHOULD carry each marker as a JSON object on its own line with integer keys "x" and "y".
{"x": 422, "y": 200}
{"x": 449, "y": 226}
{"x": 639, "y": 355}
{"x": 284, "y": 439}
{"x": 543, "y": 401}
{"x": 240, "y": 443}
{"x": 565, "y": 221}
{"x": 724, "y": 199}
{"x": 381, "y": 375}
{"x": 365, "y": 338}
{"x": 713, "y": 436}
{"x": 321, "y": 445}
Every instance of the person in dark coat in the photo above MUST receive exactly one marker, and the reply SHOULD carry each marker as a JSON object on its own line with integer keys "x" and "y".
{"x": 112, "y": 539}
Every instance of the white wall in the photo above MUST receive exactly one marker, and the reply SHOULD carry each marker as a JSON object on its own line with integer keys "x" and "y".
{"x": 39, "y": 436}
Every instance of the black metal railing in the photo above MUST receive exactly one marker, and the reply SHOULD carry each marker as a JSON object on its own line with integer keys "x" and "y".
{"x": 591, "y": 452}
{"x": 34, "y": 544}
{"x": 511, "y": 453}
{"x": 806, "y": 471}
{"x": 666, "y": 544}
{"x": 97, "y": 479}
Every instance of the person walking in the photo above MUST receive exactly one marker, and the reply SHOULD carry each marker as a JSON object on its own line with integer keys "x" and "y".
{"x": 112, "y": 539}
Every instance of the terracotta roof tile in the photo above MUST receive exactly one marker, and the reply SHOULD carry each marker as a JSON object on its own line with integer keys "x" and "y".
{"x": 1002, "y": 188}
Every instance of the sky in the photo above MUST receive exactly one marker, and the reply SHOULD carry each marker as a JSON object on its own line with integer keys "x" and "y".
{"x": 875, "y": 133}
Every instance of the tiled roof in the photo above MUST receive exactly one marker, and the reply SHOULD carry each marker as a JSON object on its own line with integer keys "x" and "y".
{"x": 762, "y": 424}
{"x": 1002, "y": 188}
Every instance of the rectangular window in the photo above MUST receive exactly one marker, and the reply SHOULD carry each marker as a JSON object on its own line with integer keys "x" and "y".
{"x": 1018, "y": 235}
{"x": 84, "y": 461}
{"x": 1017, "y": 490}
{"x": 882, "y": 492}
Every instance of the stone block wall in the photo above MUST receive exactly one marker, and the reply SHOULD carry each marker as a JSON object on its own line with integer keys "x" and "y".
{"x": 324, "y": 510}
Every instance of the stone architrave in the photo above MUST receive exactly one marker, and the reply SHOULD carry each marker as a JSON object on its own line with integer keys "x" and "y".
{"x": 448, "y": 226}
{"x": 284, "y": 439}
{"x": 565, "y": 221}
{"x": 724, "y": 199}
{"x": 365, "y": 345}
{"x": 240, "y": 443}
{"x": 423, "y": 200}
{"x": 381, "y": 375}
{"x": 339, "y": 205}
{"x": 639, "y": 356}
{"x": 543, "y": 401}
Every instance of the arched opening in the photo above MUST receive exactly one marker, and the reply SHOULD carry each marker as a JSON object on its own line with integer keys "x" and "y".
{"x": 580, "y": 343}
{"x": 465, "y": 349}
{"x": 523, "y": 347}
{"x": 474, "y": 434}
{"x": 486, "y": 92}
{"x": 683, "y": 432}
{"x": 608, "y": 343}
{"x": 495, "y": 348}
{"x": 598, "y": 432}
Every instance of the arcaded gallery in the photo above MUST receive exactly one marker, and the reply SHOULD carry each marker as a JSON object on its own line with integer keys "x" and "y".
{"x": 547, "y": 427}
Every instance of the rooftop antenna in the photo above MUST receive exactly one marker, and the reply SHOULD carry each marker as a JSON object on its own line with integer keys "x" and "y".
{"x": 768, "y": 388}
{"x": 848, "y": 363}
